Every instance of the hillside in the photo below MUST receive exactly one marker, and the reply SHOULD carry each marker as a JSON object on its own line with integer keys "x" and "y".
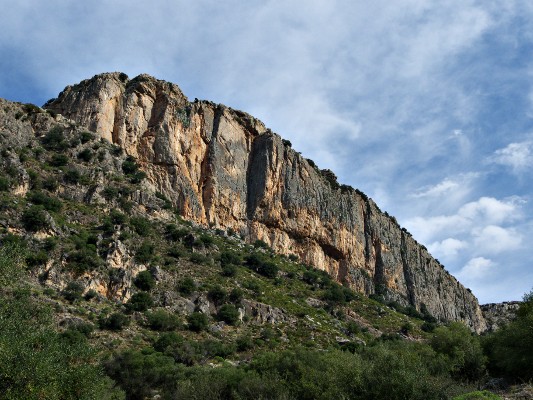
{"x": 224, "y": 169}
{"x": 107, "y": 292}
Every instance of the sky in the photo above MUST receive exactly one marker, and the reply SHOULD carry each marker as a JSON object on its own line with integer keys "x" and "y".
{"x": 425, "y": 106}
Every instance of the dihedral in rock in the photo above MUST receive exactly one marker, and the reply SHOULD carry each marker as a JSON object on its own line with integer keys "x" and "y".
{"x": 224, "y": 168}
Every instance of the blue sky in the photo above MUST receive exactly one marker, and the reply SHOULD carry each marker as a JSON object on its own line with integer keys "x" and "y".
{"x": 425, "y": 106}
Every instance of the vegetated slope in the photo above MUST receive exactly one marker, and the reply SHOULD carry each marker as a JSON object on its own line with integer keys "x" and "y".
{"x": 223, "y": 168}
{"x": 165, "y": 300}
{"x": 90, "y": 224}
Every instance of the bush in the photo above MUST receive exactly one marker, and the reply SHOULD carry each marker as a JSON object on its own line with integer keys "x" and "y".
{"x": 4, "y": 184}
{"x": 510, "y": 349}
{"x": 197, "y": 322}
{"x": 83, "y": 260}
{"x": 37, "y": 258}
{"x": 162, "y": 320}
{"x": 174, "y": 233}
{"x": 229, "y": 270}
{"x": 228, "y": 257}
{"x": 55, "y": 139}
{"x": 236, "y": 295}
{"x": 141, "y": 225}
{"x": 268, "y": 269}
{"x": 86, "y": 137}
{"x": 198, "y": 258}
{"x": 115, "y": 322}
{"x": 73, "y": 176}
{"x": 34, "y": 219}
{"x": 217, "y": 294}
{"x": 145, "y": 252}
{"x": 462, "y": 349}
{"x": 49, "y": 203}
{"x": 129, "y": 166}
{"x": 229, "y": 314}
{"x": 144, "y": 281}
{"x": 186, "y": 286}
{"x": 117, "y": 218}
{"x": 139, "y": 302}
{"x": 139, "y": 373}
{"x": 73, "y": 291}
{"x": 58, "y": 160}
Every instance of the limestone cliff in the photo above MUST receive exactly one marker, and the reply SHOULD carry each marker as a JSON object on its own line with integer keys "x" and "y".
{"x": 223, "y": 168}
{"x": 498, "y": 315}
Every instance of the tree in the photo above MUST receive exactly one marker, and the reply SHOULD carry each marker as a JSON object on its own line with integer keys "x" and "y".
{"x": 35, "y": 361}
{"x": 510, "y": 349}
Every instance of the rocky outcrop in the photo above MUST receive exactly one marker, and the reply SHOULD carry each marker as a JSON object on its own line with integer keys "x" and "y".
{"x": 499, "y": 314}
{"x": 223, "y": 168}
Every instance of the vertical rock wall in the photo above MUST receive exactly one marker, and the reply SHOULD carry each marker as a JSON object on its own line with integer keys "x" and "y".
{"x": 224, "y": 168}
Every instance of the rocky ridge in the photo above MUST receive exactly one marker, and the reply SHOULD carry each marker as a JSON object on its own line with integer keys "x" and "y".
{"x": 223, "y": 168}
{"x": 499, "y": 314}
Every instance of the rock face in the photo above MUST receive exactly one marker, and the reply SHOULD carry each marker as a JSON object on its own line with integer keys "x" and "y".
{"x": 499, "y": 314}
{"x": 223, "y": 168}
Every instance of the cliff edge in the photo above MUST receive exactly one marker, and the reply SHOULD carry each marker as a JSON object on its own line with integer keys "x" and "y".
{"x": 223, "y": 168}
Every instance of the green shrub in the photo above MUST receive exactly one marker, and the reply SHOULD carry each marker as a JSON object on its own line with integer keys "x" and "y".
{"x": 174, "y": 233}
{"x": 58, "y": 160}
{"x": 197, "y": 322}
{"x": 198, "y": 258}
{"x": 510, "y": 349}
{"x": 186, "y": 286}
{"x": 144, "y": 281}
{"x": 4, "y": 184}
{"x": 55, "y": 140}
{"x": 259, "y": 244}
{"x": 110, "y": 192}
{"x": 49, "y": 203}
{"x": 85, "y": 155}
{"x": 34, "y": 219}
{"x": 244, "y": 342}
{"x": 50, "y": 184}
{"x": 83, "y": 260}
{"x": 141, "y": 225}
{"x": 236, "y": 295}
{"x": 117, "y": 218}
{"x": 229, "y": 314}
{"x": 73, "y": 291}
{"x": 268, "y": 269}
{"x": 37, "y": 258}
{"x": 138, "y": 373}
{"x": 229, "y": 270}
{"x": 217, "y": 294}
{"x": 86, "y": 137}
{"x": 73, "y": 176}
{"x": 129, "y": 166}
{"x": 145, "y": 252}
{"x": 228, "y": 257}
{"x": 462, "y": 349}
{"x": 161, "y": 320}
{"x": 141, "y": 301}
{"x": 36, "y": 362}
{"x": 114, "y": 322}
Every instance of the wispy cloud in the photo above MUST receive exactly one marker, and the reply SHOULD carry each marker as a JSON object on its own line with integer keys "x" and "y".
{"x": 401, "y": 99}
{"x": 517, "y": 156}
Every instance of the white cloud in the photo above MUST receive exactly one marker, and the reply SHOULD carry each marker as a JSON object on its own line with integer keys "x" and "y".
{"x": 494, "y": 239}
{"x": 491, "y": 211}
{"x": 476, "y": 268}
{"x": 517, "y": 156}
{"x": 447, "y": 248}
{"x": 450, "y": 186}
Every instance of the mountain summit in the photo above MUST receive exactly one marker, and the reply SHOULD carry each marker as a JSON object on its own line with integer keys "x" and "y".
{"x": 225, "y": 169}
